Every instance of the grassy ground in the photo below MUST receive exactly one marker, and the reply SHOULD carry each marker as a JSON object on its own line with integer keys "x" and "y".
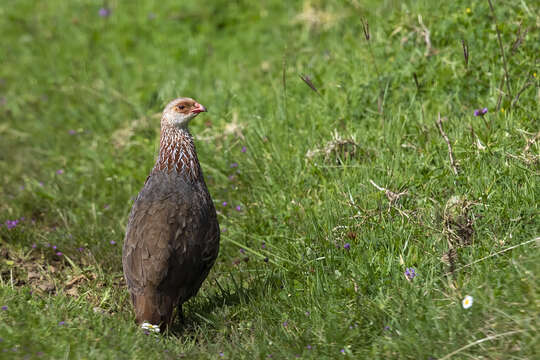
{"x": 314, "y": 254}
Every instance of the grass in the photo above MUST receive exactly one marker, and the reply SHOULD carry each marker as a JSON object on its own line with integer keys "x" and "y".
{"x": 79, "y": 94}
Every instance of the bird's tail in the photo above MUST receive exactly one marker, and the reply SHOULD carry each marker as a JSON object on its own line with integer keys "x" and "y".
{"x": 154, "y": 308}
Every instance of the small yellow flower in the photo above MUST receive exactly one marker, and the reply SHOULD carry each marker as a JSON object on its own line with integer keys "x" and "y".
{"x": 534, "y": 74}
{"x": 468, "y": 10}
{"x": 502, "y": 110}
{"x": 467, "y": 302}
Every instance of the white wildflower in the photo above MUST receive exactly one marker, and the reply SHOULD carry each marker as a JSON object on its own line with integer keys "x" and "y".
{"x": 150, "y": 327}
{"x": 467, "y": 302}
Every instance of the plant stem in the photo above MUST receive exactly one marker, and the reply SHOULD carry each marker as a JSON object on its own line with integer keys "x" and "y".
{"x": 502, "y": 51}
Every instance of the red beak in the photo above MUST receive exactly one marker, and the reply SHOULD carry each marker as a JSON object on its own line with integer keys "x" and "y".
{"x": 198, "y": 109}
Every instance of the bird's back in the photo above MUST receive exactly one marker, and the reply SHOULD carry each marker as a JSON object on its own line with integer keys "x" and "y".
{"x": 172, "y": 241}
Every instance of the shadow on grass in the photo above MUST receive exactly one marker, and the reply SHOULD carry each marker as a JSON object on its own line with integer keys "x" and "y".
{"x": 228, "y": 296}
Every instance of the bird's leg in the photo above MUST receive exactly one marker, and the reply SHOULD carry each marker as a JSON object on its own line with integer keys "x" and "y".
{"x": 180, "y": 313}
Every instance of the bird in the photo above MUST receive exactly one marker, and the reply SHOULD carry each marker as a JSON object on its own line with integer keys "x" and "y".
{"x": 172, "y": 235}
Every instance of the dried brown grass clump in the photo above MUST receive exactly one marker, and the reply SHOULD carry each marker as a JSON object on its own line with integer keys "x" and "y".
{"x": 29, "y": 269}
{"x": 528, "y": 155}
{"x": 417, "y": 33}
{"x": 458, "y": 223}
{"x": 337, "y": 150}
{"x": 46, "y": 275}
{"x": 121, "y": 137}
{"x": 314, "y": 17}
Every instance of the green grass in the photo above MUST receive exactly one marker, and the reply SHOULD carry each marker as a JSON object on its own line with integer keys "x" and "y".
{"x": 80, "y": 93}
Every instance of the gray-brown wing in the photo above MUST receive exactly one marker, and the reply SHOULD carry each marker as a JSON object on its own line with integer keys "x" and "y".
{"x": 147, "y": 251}
{"x": 195, "y": 244}
{"x": 203, "y": 234}
{"x": 172, "y": 238}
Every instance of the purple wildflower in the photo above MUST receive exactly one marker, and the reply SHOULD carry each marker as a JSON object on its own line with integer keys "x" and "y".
{"x": 112, "y": 242}
{"x": 72, "y": 132}
{"x": 40, "y": 183}
{"x": 308, "y": 313}
{"x": 224, "y": 203}
{"x": 224, "y": 229}
{"x": 234, "y": 165}
{"x": 59, "y": 253}
{"x": 34, "y": 246}
{"x": 11, "y": 223}
{"x": 221, "y": 354}
{"x": 244, "y": 149}
{"x": 4, "y": 308}
{"x": 480, "y": 112}
{"x": 81, "y": 249}
{"x": 242, "y": 251}
{"x": 62, "y": 323}
{"x": 47, "y": 245}
{"x": 54, "y": 247}
{"x": 238, "y": 208}
{"x": 309, "y": 347}
{"x": 104, "y": 12}
{"x": 347, "y": 246}
{"x": 285, "y": 323}
{"x": 263, "y": 245}
{"x": 342, "y": 351}
{"x": 410, "y": 274}
{"x": 60, "y": 171}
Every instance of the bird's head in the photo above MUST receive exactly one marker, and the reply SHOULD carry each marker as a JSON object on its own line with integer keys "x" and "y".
{"x": 180, "y": 111}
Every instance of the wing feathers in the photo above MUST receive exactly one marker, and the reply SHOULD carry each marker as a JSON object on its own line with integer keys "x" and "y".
{"x": 171, "y": 242}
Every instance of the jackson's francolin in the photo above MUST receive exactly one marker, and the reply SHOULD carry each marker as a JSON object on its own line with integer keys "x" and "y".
{"x": 172, "y": 236}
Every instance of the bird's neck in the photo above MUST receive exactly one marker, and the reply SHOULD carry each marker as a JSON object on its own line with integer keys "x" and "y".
{"x": 177, "y": 153}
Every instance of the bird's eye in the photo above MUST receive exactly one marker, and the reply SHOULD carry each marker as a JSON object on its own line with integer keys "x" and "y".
{"x": 181, "y": 107}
